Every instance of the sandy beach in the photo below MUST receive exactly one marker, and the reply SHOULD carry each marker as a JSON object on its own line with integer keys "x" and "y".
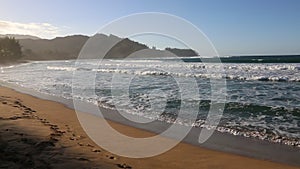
{"x": 38, "y": 133}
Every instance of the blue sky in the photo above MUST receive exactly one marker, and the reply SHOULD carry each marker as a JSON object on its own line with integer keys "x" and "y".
{"x": 234, "y": 26}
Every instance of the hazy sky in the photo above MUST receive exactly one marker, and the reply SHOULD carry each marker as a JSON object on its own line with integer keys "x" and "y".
{"x": 234, "y": 26}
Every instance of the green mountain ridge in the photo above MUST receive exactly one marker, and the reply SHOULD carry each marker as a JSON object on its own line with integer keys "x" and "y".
{"x": 69, "y": 47}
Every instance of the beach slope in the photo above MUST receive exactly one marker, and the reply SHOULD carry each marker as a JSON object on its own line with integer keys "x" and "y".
{"x": 36, "y": 133}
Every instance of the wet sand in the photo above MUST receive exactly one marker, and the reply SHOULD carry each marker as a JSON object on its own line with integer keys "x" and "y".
{"x": 36, "y": 133}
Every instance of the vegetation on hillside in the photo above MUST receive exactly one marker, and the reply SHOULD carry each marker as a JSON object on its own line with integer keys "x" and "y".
{"x": 124, "y": 48}
{"x": 182, "y": 52}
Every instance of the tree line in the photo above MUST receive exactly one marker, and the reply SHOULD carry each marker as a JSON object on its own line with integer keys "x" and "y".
{"x": 10, "y": 49}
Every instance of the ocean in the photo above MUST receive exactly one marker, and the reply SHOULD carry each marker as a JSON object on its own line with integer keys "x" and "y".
{"x": 262, "y": 99}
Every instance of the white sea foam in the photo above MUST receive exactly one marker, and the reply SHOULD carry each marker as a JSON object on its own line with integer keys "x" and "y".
{"x": 261, "y": 72}
{"x": 61, "y": 68}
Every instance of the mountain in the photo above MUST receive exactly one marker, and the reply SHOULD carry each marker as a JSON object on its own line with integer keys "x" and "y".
{"x": 55, "y": 49}
{"x": 63, "y": 48}
{"x": 124, "y": 48}
{"x": 19, "y": 36}
{"x": 69, "y": 47}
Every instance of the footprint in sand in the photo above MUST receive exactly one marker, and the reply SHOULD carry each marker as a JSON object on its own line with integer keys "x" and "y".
{"x": 96, "y": 150}
{"x": 125, "y": 166}
{"x": 111, "y": 157}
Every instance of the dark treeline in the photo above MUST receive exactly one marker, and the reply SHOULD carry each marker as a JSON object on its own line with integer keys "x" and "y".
{"x": 10, "y": 50}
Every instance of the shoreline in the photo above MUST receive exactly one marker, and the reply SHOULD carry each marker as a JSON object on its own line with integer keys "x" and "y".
{"x": 230, "y": 149}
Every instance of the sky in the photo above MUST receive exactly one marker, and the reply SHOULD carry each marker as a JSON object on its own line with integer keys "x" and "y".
{"x": 235, "y": 27}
